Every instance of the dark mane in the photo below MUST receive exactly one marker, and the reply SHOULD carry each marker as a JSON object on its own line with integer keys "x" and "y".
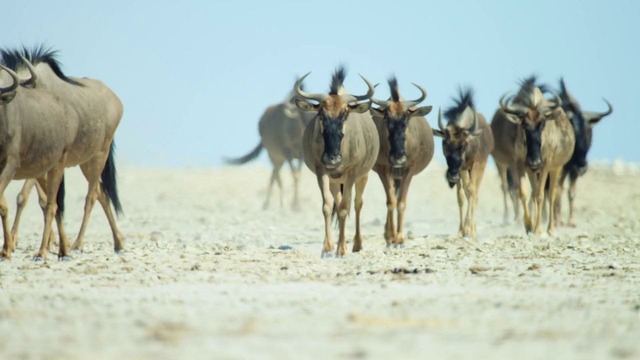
{"x": 465, "y": 98}
{"x": 337, "y": 79}
{"x": 35, "y": 55}
{"x": 393, "y": 87}
{"x": 527, "y": 84}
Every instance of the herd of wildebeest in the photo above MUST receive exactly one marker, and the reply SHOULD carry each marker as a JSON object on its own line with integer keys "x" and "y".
{"x": 341, "y": 137}
{"x": 50, "y": 121}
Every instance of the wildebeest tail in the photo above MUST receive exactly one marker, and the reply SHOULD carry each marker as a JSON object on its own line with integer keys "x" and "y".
{"x": 109, "y": 180}
{"x": 60, "y": 199}
{"x": 245, "y": 159}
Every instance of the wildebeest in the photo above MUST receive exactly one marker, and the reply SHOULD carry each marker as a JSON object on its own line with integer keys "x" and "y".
{"x": 583, "y": 123}
{"x": 406, "y": 148}
{"x": 541, "y": 141}
{"x": 33, "y": 146}
{"x": 467, "y": 141}
{"x": 98, "y": 112}
{"x": 281, "y": 128}
{"x": 340, "y": 146}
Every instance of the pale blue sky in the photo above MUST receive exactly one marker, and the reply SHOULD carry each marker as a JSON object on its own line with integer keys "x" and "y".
{"x": 195, "y": 76}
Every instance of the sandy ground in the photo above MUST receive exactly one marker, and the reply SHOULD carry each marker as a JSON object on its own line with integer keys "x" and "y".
{"x": 202, "y": 276}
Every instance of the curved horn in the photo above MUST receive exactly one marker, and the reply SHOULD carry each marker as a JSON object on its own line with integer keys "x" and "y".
{"x": 440, "y": 119}
{"x": 369, "y": 93}
{"x": 381, "y": 103}
{"x": 34, "y": 77}
{"x": 306, "y": 95}
{"x": 609, "y": 110}
{"x": 508, "y": 108}
{"x": 474, "y": 125}
{"x": 423, "y": 95}
{"x": 14, "y": 76}
{"x": 557, "y": 101}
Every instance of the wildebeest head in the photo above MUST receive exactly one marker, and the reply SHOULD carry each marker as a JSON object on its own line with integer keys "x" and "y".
{"x": 531, "y": 110}
{"x": 8, "y": 93}
{"x": 396, "y": 114}
{"x": 333, "y": 110}
{"x": 462, "y": 125}
{"x": 582, "y": 122}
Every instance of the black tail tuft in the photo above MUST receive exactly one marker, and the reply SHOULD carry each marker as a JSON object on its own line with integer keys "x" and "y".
{"x": 60, "y": 199}
{"x": 245, "y": 159}
{"x": 109, "y": 181}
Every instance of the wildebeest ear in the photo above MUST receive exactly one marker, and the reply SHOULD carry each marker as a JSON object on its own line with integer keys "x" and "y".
{"x": 305, "y": 106}
{"x": 591, "y": 118}
{"x": 6, "y": 98}
{"x": 360, "y": 108}
{"x": 421, "y": 111}
{"x": 377, "y": 112}
{"x": 439, "y": 133}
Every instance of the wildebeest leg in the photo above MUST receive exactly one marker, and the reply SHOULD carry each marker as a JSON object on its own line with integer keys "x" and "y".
{"x": 553, "y": 187}
{"x": 402, "y": 207}
{"x": 42, "y": 201}
{"x": 343, "y": 210}
{"x": 558, "y": 204}
{"x": 460, "y": 194}
{"x": 5, "y": 178}
{"x": 528, "y": 226}
{"x": 572, "y": 196}
{"x": 476, "y": 178}
{"x": 118, "y": 239}
{"x": 21, "y": 203}
{"x": 360, "y": 185}
{"x": 514, "y": 194}
{"x": 389, "y": 225}
{"x": 539, "y": 198}
{"x": 295, "y": 171}
{"x": 277, "y": 165}
{"x": 504, "y": 184}
{"x": 327, "y": 208}
{"x": 92, "y": 177}
{"x": 51, "y": 185}
{"x": 467, "y": 186}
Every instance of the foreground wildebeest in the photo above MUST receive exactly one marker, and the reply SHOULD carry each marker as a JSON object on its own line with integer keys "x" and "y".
{"x": 340, "y": 146}
{"x": 467, "y": 141}
{"x": 37, "y": 129}
{"x": 541, "y": 141}
{"x": 583, "y": 123}
{"x": 406, "y": 148}
{"x": 281, "y": 128}
{"x": 98, "y": 112}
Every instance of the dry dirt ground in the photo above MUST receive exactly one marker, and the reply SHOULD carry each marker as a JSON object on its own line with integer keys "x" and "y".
{"x": 203, "y": 276}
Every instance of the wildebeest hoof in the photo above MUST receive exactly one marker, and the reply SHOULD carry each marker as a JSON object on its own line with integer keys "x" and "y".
{"x": 119, "y": 252}
{"x": 4, "y": 259}
{"x": 37, "y": 259}
{"x": 65, "y": 258}
{"x": 326, "y": 255}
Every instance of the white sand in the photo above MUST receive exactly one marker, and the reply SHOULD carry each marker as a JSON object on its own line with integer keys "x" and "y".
{"x": 202, "y": 278}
